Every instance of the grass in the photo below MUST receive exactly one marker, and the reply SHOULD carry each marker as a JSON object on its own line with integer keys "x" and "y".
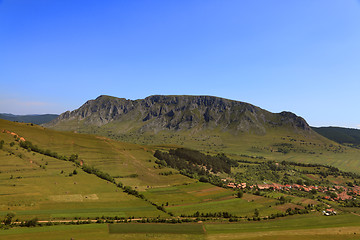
{"x": 113, "y": 157}
{"x": 235, "y": 206}
{"x": 157, "y": 228}
{"x": 305, "y": 227}
{"x": 187, "y": 194}
{"x": 314, "y": 221}
{"x": 206, "y": 198}
{"x": 35, "y": 185}
{"x": 98, "y": 231}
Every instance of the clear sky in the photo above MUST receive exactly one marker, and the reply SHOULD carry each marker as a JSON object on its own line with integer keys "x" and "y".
{"x": 301, "y": 56}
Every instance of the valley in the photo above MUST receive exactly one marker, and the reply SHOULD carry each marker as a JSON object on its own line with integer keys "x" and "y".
{"x": 76, "y": 181}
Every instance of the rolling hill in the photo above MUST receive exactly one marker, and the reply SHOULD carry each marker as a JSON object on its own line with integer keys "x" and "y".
{"x": 340, "y": 135}
{"x": 33, "y": 118}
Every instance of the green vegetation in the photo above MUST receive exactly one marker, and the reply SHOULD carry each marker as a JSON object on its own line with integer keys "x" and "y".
{"x": 29, "y": 190}
{"x": 195, "y": 164}
{"x": 298, "y": 222}
{"x": 157, "y": 228}
{"x": 299, "y": 227}
{"x": 286, "y": 172}
{"x": 347, "y": 136}
{"x": 52, "y": 175}
{"x": 35, "y": 119}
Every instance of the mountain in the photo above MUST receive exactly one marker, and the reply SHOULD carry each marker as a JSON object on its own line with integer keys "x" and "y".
{"x": 34, "y": 118}
{"x": 200, "y": 122}
{"x": 176, "y": 113}
{"x": 340, "y": 135}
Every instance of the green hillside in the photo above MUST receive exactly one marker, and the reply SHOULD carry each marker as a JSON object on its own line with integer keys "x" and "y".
{"x": 347, "y": 136}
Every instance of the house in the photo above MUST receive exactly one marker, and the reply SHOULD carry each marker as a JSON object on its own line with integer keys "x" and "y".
{"x": 344, "y": 196}
{"x": 264, "y": 186}
{"x": 329, "y": 212}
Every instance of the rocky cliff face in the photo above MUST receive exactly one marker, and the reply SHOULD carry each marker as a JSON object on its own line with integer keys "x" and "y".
{"x": 158, "y": 112}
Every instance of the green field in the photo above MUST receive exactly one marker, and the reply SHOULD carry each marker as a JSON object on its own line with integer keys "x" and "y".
{"x": 295, "y": 222}
{"x": 299, "y": 227}
{"x": 188, "y": 194}
{"x": 157, "y": 228}
{"x": 304, "y": 227}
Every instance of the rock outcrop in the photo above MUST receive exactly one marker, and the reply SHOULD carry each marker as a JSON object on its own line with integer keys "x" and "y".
{"x": 174, "y": 113}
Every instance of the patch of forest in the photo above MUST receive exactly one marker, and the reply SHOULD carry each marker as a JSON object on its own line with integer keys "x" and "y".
{"x": 195, "y": 164}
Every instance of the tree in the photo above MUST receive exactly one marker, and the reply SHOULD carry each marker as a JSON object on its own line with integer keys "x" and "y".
{"x": 203, "y": 179}
{"x": 240, "y": 194}
{"x": 31, "y": 223}
{"x": 256, "y": 212}
{"x": 300, "y": 182}
{"x": 8, "y": 218}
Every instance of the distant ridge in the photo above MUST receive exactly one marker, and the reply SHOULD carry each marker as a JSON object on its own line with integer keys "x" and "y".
{"x": 33, "y": 118}
{"x": 176, "y": 113}
{"x": 340, "y": 135}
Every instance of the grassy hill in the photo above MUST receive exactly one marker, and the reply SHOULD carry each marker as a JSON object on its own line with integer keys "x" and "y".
{"x": 35, "y": 119}
{"x": 35, "y": 184}
{"x": 347, "y": 136}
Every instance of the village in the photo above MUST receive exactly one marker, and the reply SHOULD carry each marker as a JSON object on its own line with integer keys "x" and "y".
{"x": 334, "y": 193}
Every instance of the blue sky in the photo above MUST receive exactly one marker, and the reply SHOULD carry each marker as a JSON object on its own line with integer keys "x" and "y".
{"x": 301, "y": 56}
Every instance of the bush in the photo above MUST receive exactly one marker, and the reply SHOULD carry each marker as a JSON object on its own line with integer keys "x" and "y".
{"x": 31, "y": 223}
{"x": 8, "y": 218}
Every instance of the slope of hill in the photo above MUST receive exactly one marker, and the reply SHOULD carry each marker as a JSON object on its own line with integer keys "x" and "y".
{"x": 340, "y": 135}
{"x": 42, "y": 177}
{"x": 35, "y": 119}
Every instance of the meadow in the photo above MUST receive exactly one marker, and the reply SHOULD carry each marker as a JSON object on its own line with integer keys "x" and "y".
{"x": 35, "y": 185}
{"x": 313, "y": 226}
